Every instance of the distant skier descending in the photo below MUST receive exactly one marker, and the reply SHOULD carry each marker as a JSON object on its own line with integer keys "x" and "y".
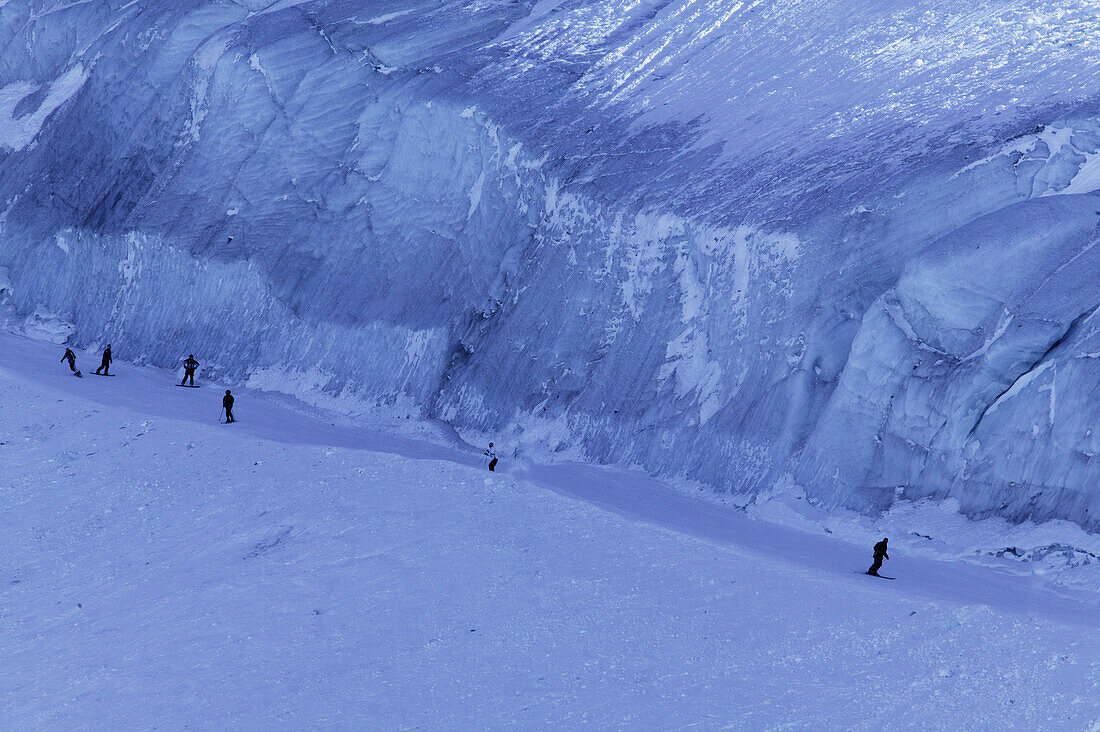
{"x": 71, "y": 358}
{"x": 105, "y": 365}
{"x": 189, "y": 367}
{"x": 491, "y": 454}
{"x": 227, "y": 405}
{"x": 880, "y": 554}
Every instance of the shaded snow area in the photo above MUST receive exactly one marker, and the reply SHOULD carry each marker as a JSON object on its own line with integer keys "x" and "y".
{"x": 843, "y": 248}
{"x": 161, "y": 570}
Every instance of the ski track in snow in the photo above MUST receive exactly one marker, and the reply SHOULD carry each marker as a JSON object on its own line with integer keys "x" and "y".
{"x": 162, "y": 569}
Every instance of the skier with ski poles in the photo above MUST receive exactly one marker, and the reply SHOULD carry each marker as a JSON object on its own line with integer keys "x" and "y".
{"x": 227, "y": 405}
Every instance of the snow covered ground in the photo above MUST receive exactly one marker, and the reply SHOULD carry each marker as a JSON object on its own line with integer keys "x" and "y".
{"x": 161, "y": 570}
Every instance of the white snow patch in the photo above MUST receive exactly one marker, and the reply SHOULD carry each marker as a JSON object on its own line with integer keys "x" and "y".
{"x": 1021, "y": 384}
{"x": 380, "y": 19}
{"x": 1087, "y": 178}
{"x": 43, "y": 325}
{"x": 687, "y": 362}
{"x": 418, "y": 343}
{"x": 893, "y": 309}
{"x": 1002, "y": 327}
{"x": 289, "y": 381}
{"x": 16, "y": 134}
{"x": 203, "y": 63}
{"x": 475, "y": 194}
{"x": 1063, "y": 145}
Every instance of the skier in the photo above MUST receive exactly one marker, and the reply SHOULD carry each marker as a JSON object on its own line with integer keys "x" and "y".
{"x": 880, "y": 554}
{"x": 492, "y": 458}
{"x": 71, "y": 358}
{"x": 105, "y": 365}
{"x": 189, "y": 367}
{"x": 227, "y": 404}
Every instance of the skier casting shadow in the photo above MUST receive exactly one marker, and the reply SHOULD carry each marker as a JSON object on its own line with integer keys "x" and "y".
{"x": 71, "y": 358}
{"x": 189, "y": 367}
{"x": 227, "y": 405}
{"x": 492, "y": 458}
{"x": 105, "y": 365}
{"x": 880, "y": 554}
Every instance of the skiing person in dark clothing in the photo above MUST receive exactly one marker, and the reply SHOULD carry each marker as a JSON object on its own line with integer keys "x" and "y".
{"x": 880, "y": 554}
{"x": 227, "y": 404}
{"x": 492, "y": 458}
{"x": 189, "y": 367}
{"x": 105, "y": 366}
{"x": 71, "y": 358}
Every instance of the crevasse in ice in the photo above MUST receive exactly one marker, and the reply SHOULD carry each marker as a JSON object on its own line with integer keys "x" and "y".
{"x": 738, "y": 242}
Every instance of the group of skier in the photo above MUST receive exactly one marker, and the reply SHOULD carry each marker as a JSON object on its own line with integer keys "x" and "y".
{"x": 190, "y": 365}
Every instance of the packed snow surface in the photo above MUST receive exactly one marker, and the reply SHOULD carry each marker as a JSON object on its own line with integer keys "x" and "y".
{"x": 162, "y": 570}
{"x": 843, "y": 247}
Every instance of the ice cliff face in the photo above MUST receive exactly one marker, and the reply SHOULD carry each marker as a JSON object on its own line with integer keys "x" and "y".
{"x": 733, "y": 241}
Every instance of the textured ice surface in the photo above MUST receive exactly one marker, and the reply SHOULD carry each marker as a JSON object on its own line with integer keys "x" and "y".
{"x": 732, "y": 241}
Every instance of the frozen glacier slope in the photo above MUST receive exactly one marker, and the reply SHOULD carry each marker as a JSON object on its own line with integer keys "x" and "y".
{"x": 956, "y": 377}
{"x": 672, "y": 233}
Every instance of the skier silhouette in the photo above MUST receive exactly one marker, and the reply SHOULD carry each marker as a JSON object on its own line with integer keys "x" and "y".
{"x": 105, "y": 365}
{"x": 71, "y": 358}
{"x": 227, "y": 404}
{"x": 880, "y": 554}
{"x": 492, "y": 458}
{"x": 189, "y": 367}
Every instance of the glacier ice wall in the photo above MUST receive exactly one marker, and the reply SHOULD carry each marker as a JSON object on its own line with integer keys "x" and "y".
{"x": 730, "y": 241}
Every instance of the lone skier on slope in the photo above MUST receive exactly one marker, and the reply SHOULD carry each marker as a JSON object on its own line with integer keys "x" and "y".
{"x": 105, "y": 365}
{"x": 227, "y": 405}
{"x": 71, "y": 358}
{"x": 189, "y": 367}
{"x": 492, "y": 458}
{"x": 880, "y": 554}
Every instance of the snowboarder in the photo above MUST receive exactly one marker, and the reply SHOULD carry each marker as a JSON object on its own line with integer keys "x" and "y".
{"x": 880, "y": 554}
{"x": 71, "y": 358}
{"x": 105, "y": 365}
{"x": 492, "y": 458}
{"x": 227, "y": 404}
{"x": 189, "y": 367}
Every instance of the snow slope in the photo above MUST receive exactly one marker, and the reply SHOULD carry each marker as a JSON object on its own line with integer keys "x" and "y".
{"x": 695, "y": 236}
{"x": 160, "y": 569}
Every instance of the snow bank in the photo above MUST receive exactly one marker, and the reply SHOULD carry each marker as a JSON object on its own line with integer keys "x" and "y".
{"x": 46, "y": 326}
